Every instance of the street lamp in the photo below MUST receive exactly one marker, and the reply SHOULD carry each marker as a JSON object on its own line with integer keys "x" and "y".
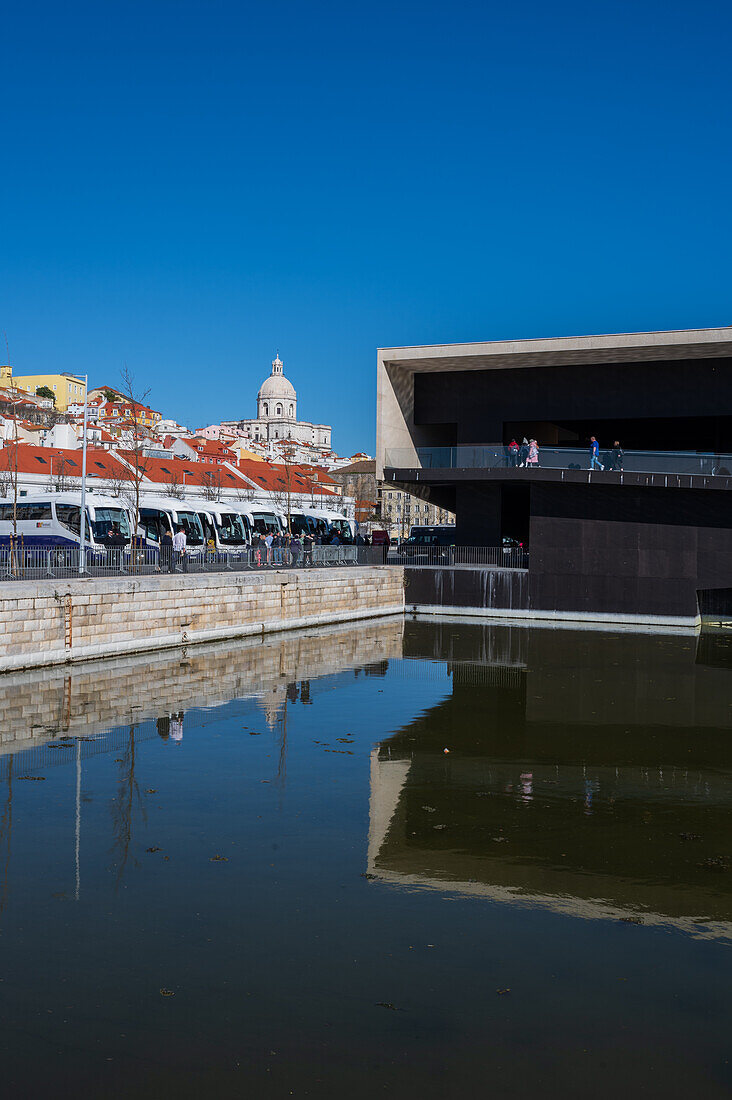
{"x": 82, "y": 546}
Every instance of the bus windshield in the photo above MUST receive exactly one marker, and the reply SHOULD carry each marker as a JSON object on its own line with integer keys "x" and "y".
{"x": 343, "y": 527}
{"x": 264, "y": 522}
{"x": 106, "y": 519}
{"x": 300, "y": 525}
{"x": 231, "y": 529}
{"x": 154, "y": 523}
{"x": 191, "y": 524}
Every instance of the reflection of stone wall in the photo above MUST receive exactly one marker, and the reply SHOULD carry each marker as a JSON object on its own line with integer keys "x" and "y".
{"x": 35, "y": 706}
{"x": 49, "y": 622}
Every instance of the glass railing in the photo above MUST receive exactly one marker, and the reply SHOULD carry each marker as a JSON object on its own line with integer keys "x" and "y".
{"x": 496, "y": 456}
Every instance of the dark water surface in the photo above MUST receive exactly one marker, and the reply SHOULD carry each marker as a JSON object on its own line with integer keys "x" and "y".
{"x": 253, "y": 870}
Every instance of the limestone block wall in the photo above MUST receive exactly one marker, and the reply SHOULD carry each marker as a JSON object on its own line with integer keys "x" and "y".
{"x": 55, "y": 622}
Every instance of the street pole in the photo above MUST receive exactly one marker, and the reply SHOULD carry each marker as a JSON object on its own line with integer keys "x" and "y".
{"x": 82, "y": 544}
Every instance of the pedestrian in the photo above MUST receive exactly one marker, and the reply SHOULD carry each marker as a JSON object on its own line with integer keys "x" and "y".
{"x": 617, "y": 458}
{"x": 595, "y": 463}
{"x": 533, "y": 455}
{"x": 307, "y": 547}
{"x": 257, "y": 548}
{"x": 166, "y": 552}
{"x": 295, "y": 548}
{"x": 269, "y": 539}
{"x": 513, "y": 453}
{"x": 179, "y": 546}
{"x": 360, "y": 541}
{"x": 335, "y": 541}
{"x": 523, "y": 453}
{"x": 176, "y": 724}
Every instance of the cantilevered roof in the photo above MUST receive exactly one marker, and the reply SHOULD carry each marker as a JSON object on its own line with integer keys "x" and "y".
{"x": 703, "y": 343}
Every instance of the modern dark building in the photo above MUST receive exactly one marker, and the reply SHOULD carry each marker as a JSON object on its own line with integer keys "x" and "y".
{"x": 644, "y": 535}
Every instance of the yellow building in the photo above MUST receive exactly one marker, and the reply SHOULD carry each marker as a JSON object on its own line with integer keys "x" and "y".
{"x": 68, "y": 389}
{"x": 6, "y": 375}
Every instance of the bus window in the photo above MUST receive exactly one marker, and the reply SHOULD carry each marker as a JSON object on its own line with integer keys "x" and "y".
{"x": 34, "y": 511}
{"x": 70, "y": 516}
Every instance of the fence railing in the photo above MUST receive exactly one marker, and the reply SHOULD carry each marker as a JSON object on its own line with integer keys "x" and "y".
{"x": 490, "y": 456}
{"x": 60, "y": 562}
{"x": 39, "y": 562}
{"x": 503, "y": 557}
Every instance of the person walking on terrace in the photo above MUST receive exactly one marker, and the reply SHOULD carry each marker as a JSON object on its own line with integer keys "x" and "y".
{"x": 595, "y": 463}
{"x": 523, "y": 452}
{"x": 617, "y": 457}
{"x": 513, "y": 453}
{"x": 533, "y": 455}
{"x": 179, "y": 546}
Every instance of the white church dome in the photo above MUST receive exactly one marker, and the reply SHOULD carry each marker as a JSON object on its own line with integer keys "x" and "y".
{"x": 277, "y": 385}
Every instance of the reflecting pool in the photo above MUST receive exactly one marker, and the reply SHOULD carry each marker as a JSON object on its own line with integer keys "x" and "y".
{"x": 400, "y": 858}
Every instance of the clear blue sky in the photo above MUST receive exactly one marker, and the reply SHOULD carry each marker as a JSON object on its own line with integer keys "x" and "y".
{"x": 189, "y": 186}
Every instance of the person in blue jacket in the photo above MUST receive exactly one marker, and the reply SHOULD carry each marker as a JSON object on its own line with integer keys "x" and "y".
{"x": 595, "y": 463}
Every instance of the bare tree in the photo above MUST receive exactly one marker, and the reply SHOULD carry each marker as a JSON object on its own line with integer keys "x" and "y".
{"x": 174, "y": 486}
{"x": 139, "y": 463}
{"x": 211, "y": 488}
{"x": 283, "y": 496}
{"x": 59, "y": 478}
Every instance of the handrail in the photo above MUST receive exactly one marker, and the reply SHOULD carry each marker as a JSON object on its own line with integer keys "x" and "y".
{"x": 489, "y": 456}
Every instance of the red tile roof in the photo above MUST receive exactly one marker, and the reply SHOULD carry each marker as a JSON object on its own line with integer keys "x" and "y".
{"x": 275, "y": 477}
{"x": 50, "y": 460}
{"x": 163, "y": 471}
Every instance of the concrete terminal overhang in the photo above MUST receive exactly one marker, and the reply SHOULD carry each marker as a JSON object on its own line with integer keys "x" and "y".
{"x": 450, "y": 476}
{"x": 396, "y": 367}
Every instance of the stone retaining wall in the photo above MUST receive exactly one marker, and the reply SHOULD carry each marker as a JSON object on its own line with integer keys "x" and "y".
{"x": 55, "y": 622}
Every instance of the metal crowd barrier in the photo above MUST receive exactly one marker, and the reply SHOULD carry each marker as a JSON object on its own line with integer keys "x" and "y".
{"x": 60, "y": 562}
{"x": 504, "y": 557}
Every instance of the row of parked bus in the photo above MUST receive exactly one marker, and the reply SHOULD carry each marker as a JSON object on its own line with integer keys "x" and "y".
{"x": 55, "y": 520}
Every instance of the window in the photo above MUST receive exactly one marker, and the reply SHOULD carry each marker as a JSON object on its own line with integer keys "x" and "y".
{"x": 292, "y": 411}
{"x": 26, "y": 511}
{"x": 266, "y": 409}
{"x": 70, "y": 516}
{"x": 279, "y": 410}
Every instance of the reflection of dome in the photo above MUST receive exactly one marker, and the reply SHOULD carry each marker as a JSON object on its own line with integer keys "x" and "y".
{"x": 273, "y": 704}
{"x": 277, "y": 399}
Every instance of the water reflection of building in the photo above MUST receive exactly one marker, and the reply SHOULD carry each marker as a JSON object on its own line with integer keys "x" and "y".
{"x": 51, "y": 717}
{"x": 590, "y": 776}
{"x": 51, "y": 705}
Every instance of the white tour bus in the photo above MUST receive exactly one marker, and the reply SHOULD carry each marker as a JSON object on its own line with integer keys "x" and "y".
{"x": 54, "y": 519}
{"x": 160, "y": 514}
{"x": 264, "y": 518}
{"x": 223, "y": 525}
{"x": 336, "y": 523}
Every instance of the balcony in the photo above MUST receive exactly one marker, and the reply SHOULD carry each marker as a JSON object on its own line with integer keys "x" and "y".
{"x": 495, "y": 456}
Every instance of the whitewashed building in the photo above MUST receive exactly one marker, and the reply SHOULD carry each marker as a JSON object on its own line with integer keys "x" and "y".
{"x": 277, "y": 414}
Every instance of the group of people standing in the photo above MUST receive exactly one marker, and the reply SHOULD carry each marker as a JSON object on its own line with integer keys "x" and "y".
{"x": 527, "y": 454}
